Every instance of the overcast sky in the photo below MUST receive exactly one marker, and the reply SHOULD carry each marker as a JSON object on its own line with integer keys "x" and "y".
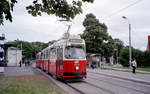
{"x": 46, "y": 27}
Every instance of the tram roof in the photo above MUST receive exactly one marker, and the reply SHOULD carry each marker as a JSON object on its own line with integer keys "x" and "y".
{"x": 63, "y": 41}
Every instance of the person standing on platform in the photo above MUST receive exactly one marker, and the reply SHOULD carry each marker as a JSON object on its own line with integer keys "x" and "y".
{"x": 134, "y": 65}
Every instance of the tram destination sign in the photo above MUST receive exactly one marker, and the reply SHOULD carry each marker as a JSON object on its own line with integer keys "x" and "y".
{"x": 76, "y": 40}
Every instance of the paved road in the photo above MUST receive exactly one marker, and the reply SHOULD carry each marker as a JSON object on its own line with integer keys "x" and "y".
{"x": 100, "y": 84}
{"x": 124, "y": 75}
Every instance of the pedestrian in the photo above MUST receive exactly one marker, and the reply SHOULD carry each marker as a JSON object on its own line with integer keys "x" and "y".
{"x": 28, "y": 62}
{"x": 20, "y": 63}
{"x": 134, "y": 65}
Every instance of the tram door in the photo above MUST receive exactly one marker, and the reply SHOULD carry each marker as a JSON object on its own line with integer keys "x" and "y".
{"x": 60, "y": 60}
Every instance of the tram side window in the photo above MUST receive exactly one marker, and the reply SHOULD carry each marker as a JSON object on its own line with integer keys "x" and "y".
{"x": 50, "y": 54}
{"x": 47, "y": 54}
{"x": 42, "y": 56}
{"x": 60, "y": 55}
{"x": 53, "y": 54}
{"x": 38, "y": 57}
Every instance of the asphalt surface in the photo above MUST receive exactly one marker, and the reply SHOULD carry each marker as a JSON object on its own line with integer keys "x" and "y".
{"x": 141, "y": 78}
{"x": 104, "y": 82}
{"x": 113, "y": 85}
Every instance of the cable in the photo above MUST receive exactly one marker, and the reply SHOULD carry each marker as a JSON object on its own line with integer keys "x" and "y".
{"x": 122, "y": 9}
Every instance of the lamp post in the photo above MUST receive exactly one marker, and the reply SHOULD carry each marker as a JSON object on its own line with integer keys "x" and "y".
{"x": 130, "y": 51}
{"x": 116, "y": 56}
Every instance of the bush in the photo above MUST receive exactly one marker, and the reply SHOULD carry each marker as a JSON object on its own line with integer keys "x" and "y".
{"x": 124, "y": 57}
{"x": 146, "y": 61}
{"x": 142, "y": 57}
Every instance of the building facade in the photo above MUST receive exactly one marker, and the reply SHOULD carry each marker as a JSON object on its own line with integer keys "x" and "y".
{"x": 2, "y": 42}
{"x": 14, "y": 56}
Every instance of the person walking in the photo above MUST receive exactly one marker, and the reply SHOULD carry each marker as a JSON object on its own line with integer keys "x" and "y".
{"x": 134, "y": 65}
{"x": 20, "y": 63}
{"x": 28, "y": 62}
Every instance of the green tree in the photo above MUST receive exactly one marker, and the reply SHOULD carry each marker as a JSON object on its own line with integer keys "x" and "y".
{"x": 146, "y": 59}
{"x": 96, "y": 36}
{"x": 30, "y": 49}
{"x": 142, "y": 57}
{"x": 118, "y": 44}
{"x": 6, "y": 7}
{"x": 60, "y": 8}
{"x": 124, "y": 56}
{"x": 117, "y": 47}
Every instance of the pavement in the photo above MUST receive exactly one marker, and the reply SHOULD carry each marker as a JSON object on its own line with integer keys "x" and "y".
{"x": 18, "y": 71}
{"x": 141, "y": 78}
{"x": 114, "y": 67}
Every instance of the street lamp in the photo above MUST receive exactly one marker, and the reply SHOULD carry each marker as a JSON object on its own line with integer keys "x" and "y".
{"x": 130, "y": 51}
{"x": 116, "y": 55}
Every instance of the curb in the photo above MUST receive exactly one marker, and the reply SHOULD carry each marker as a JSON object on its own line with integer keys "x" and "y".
{"x": 124, "y": 78}
{"x": 145, "y": 72}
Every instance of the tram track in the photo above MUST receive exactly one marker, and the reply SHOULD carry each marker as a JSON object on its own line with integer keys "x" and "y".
{"x": 114, "y": 77}
{"x": 90, "y": 84}
{"x": 79, "y": 91}
{"x": 78, "y": 88}
{"x": 53, "y": 79}
{"x": 123, "y": 78}
{"x": 119, "y": 85}
{"x": 74, "y": 87}
{"x": 98, "y": 87}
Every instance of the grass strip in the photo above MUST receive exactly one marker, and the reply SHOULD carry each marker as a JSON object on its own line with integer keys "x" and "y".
{"x": 35, "y": 84}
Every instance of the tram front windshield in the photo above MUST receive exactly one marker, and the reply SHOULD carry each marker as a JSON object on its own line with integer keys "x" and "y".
{"x": 74, "y": 53}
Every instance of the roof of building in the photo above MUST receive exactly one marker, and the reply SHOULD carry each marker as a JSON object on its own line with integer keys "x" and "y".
{"x": 13, "y": 48}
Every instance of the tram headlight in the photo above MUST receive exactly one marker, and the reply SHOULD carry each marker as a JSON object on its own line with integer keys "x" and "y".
{"x": 77, "y": 67}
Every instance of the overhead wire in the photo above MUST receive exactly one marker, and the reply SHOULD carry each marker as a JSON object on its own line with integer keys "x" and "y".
{"x": 122, "y": 9}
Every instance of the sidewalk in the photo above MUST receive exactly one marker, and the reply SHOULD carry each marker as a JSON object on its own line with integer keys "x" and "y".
{"x": 18, "y": 71}
{"x": 124, "y": 69}
{"x": 141, "y": 78}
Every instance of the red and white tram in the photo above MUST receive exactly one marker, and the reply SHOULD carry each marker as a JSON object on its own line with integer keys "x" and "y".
{"x": 66, "y": 58}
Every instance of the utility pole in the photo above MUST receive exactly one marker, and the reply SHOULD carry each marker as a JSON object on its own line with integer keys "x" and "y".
{"x": 130, "y": 51}
{"x": 21, "y": 54}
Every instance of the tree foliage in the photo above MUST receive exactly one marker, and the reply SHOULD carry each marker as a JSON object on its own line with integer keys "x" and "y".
{"x": 6, "y": 7}
{"x": 30, "y": 49}
{"x": 60, "y": 8}
{"x": 117, "y": 47}
{"x": 96, "y": 37}
{"x": 142, "y": 57}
